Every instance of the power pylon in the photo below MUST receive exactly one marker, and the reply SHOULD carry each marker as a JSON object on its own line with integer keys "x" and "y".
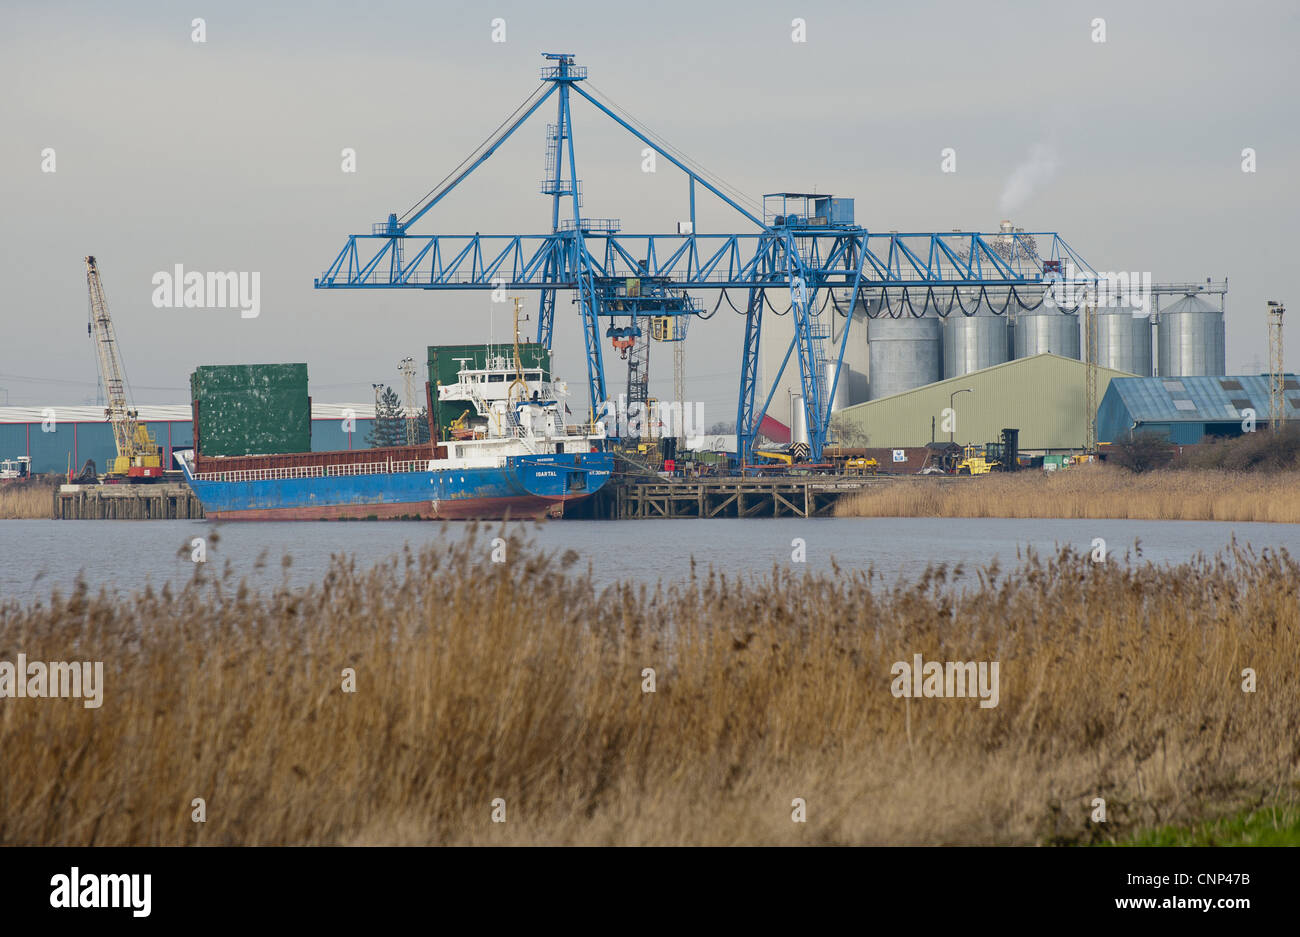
{"x": 407, "y": 367}
{"x": 679, "y": 386}
{"x": 1276, "y": 380}
{"x": 1090, "y": 325}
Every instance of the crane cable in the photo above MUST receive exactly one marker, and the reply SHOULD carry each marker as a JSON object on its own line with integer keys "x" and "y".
{"x": 695, "y": 167}
{"x": 772, "y": 308}
{"x": 492, "y": 140}
{"x": 733, "y": 305}
{"x": 932, "y": 301}
{"x": 702, "y": 316}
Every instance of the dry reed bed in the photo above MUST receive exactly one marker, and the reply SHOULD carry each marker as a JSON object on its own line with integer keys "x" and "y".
{"x": 1091, "y": 492}
{"x": 478, "y": 680}
{"x": 26, "y": 501}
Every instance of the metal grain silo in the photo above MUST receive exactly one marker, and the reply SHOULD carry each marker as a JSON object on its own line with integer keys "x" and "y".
{"x": 778, "y": 330}
{"x": 904, "y": 354}
{"x": 1124, "y": 340}
{"x": 842, "y": 397}
{"x": 1046, "y": 330}
{"x": 973, "y": 342}
{"x": 798, "y": 420}
{"x": 852, "y": 387}
{"x": 1190, "y": 339}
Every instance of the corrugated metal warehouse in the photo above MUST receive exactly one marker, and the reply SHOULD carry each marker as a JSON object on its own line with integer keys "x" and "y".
{"x": 1044, "y": 396}
{"x": 79, "y": 433}
{"x": 1187, "y": 409}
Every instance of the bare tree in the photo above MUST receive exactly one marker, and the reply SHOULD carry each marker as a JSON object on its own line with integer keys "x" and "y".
{"x": 1142, "y": 453}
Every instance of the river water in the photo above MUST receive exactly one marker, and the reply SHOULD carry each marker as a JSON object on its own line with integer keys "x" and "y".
{"x": 41, "y": 555}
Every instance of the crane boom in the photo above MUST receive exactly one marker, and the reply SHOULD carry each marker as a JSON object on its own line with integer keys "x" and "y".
{"x": 803, "y": 243}
{"x": 110, "y": 367}
{"x": 138, "y": 456}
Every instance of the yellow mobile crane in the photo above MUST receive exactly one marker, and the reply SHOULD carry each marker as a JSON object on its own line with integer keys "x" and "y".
{"x": 138, "y": 457}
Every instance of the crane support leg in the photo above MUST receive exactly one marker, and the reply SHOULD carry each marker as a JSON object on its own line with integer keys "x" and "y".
{"x": 747, "y": 421}
{"x": 591, "y": 337}
{"x": 811, "y": 368}
{"x": 546, "y": 318}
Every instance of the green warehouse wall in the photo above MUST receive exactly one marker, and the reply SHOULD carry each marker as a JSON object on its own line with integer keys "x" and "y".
{"x": 1044, "y": 396}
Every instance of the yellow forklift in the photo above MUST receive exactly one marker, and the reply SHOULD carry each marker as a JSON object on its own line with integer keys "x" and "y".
{"x": 1001, "y": 456}
{"x": 975, "y": 461}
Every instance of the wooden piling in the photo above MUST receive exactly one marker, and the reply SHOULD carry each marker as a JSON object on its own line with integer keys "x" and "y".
{"x": 154, "y": 501}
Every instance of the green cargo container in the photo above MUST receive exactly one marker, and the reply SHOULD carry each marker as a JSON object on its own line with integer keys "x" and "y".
{"x": 242, "y": 377}
{"x": 251, "y": 409}
{"x": 445, "y": 362}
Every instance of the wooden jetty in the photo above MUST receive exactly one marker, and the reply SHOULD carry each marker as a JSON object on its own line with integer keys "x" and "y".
{"x": 785, "y": 496}
{"x": 164, "y": 501}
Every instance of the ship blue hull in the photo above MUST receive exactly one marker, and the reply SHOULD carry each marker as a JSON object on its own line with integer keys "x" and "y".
{"x": 526, "y": 486}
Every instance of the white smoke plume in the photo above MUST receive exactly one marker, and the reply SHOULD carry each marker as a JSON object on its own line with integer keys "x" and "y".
{"x": 1038, "y": 169}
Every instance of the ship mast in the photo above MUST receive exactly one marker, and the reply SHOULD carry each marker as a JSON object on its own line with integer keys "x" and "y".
{"x": 519, "y": 368}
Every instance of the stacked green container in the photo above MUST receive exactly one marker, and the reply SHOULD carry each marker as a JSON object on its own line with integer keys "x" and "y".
{"x": 444, "y": 367}
{"x": 252, "y": 409}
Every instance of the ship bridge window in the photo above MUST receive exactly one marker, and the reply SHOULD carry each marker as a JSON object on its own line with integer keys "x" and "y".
{"x": 494, "y": 378}
{"x": 533, "y": 376}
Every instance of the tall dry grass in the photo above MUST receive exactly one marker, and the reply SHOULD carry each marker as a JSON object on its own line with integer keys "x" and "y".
{"x": 478, "y": 681}
{"x": 1091, "y": 491}
{"x": 28, "y": 500}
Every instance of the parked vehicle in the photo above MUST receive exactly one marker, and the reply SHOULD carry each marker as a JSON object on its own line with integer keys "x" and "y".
{"x": 976, "y": 462}
{"x": 15, "y": 470}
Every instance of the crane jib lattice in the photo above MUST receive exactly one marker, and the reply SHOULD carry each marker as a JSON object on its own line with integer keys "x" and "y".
{"x": 785, "y": 245}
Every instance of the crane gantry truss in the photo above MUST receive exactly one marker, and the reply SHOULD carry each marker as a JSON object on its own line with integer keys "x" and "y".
{"x": 616, "y": 275}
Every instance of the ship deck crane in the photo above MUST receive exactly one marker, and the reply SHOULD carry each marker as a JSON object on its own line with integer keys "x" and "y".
{"x": 806, "y": 244}
{"x": 138, "y": 457}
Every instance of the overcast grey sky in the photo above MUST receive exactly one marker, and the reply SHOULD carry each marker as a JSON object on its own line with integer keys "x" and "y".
{"x": 225, "y": 155}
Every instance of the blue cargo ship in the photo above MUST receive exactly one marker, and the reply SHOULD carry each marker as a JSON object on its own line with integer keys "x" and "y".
{"x": 512, "y": 454}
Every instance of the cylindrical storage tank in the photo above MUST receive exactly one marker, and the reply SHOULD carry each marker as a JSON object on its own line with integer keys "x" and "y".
{"x": 1191, "y": 340}
{"x": 842, "y": 398}
{"x": 971, "y": 343}
{"x": 852, "y": 387}
{"x": 1046, "y": 331}
{"x": 798, "y": 419}
{"x": 1124, "y": 340}
{"x": 904, "y": 354}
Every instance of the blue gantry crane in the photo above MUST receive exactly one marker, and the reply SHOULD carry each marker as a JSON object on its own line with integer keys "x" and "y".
{"x": 803, "y": 243}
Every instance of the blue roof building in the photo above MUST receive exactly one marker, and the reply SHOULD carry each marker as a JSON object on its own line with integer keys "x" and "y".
{"x": 1188, "y": 409}
{"x": 61, "y": 437}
